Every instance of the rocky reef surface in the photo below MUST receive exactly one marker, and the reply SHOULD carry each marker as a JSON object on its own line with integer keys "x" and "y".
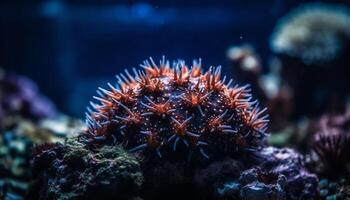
{"x": 102, "y": 161}
{"x": 27, "y": 119}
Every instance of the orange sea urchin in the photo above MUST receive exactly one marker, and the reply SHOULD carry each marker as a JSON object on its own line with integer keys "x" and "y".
{"x": 168, "y": 109}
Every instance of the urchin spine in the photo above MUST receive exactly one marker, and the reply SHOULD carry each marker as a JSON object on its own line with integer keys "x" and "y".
{"x": 164, "y": 105}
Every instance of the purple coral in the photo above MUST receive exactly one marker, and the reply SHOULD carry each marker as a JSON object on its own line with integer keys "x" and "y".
{"x": 300, "y": 184}
{"x": 280, "y": 175}
{"x": 19, "y": 96}
{"x": 264, "y": 185}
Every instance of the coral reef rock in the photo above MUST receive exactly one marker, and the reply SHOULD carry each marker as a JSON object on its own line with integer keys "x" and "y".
{"x": 172, "y": 133}
{"x": 71, "y": 171}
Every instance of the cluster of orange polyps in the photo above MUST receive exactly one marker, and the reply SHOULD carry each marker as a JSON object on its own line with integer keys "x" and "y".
{"x": 162, "y": 106}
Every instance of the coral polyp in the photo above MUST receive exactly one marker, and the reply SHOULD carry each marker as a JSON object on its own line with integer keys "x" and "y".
{"x": 332, "y": 149}
{"x": 165, "y": 109}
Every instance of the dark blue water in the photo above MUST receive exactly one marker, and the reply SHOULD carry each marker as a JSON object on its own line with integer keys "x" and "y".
{"x": 71, "y": 47}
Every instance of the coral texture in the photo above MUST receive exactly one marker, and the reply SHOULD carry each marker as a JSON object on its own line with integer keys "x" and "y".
{"x": 315, "y": 33}
{"x": 189, "y": 136}
{"x": 163, "y": 109}
{"x": 16, "y": 146}
{"x": 279, "y": 175}
{"x": 339, "y": 189}
{"x": 71, "y": 171}
{"x": 299, "y": 183}
{"x": 23, "y": 111}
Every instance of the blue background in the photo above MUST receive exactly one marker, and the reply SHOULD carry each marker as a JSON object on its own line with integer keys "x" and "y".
{"x": 71, "y": 47}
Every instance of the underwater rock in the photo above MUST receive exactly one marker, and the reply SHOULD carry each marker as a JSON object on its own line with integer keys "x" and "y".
{"x": 71, "y": 171}
{"x": 16, "y": 144}
{"x": 15, "y": 150}
{"x": 251, "y": 186}
{"x": 339, "y": 189}
{"x": 16, "y": 153}
{"x": 208, "y": 180}
{"x": 280, "y": 175}
{"x": 167, "y": 180}
{"x": 299, "y": 183}
{"x": 27, "y": 119}
{"x": 259, "y": 184}
{"x": 228, "y": 168}
{"x": 19, "y": 97}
